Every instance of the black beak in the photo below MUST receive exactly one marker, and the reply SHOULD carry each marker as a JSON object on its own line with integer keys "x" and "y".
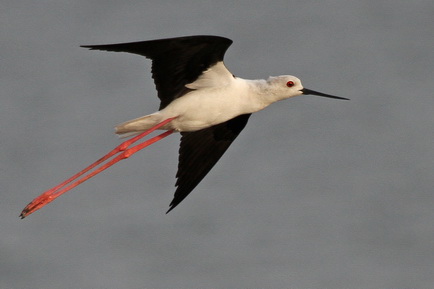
{"x": 313, "y": 92}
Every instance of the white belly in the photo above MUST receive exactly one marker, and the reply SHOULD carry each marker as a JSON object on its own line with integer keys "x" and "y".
{"x": 204, "y": 108}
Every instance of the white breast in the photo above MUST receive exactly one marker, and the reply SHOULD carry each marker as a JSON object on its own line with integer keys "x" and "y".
{"x": 211, "y": 105}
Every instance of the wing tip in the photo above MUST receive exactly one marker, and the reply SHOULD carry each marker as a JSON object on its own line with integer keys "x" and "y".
{"x": 90, "y": 47}
{"x": 173, "y": 204}
{"x": 170, "y": 209}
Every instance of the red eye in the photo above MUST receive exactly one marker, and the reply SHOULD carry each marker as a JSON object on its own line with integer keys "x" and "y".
{"x": 290, "y": 83}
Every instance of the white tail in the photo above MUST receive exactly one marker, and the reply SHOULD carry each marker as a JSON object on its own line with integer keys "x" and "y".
{"x": 136, "y": 126}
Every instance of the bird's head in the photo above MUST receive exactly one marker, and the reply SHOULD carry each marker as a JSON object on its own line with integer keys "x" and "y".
{"x": 286, "y": 86}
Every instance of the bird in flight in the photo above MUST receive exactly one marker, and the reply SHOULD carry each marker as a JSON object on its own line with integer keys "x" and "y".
{"x": 200, "y": 98}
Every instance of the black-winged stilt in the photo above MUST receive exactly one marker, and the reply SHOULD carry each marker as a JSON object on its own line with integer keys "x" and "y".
{"x": 200, "y": 98}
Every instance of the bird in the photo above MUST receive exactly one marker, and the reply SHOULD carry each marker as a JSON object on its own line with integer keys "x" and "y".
{"x": 199, "y": 98}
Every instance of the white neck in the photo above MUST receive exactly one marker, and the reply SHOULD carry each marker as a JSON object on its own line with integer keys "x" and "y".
{"x": 261, "y": 93}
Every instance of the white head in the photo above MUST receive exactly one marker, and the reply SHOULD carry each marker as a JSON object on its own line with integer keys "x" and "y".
{"x": 286, "y": 86}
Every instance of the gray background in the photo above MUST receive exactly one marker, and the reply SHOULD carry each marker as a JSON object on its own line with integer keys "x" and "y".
{"x": 315, "y": 193}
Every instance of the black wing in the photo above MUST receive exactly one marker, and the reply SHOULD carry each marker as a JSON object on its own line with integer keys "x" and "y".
{"x": 200, "y": 151}
{"x": 175, "y": 61}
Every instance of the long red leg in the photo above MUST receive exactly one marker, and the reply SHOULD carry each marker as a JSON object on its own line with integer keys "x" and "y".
{"x": 55, "y": 192}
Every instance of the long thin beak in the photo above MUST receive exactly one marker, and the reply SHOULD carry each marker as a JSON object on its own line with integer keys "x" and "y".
{"x": 313, "y": 92}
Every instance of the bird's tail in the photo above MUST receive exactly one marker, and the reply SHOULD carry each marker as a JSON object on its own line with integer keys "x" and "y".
{"x": 136, "y": 126}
